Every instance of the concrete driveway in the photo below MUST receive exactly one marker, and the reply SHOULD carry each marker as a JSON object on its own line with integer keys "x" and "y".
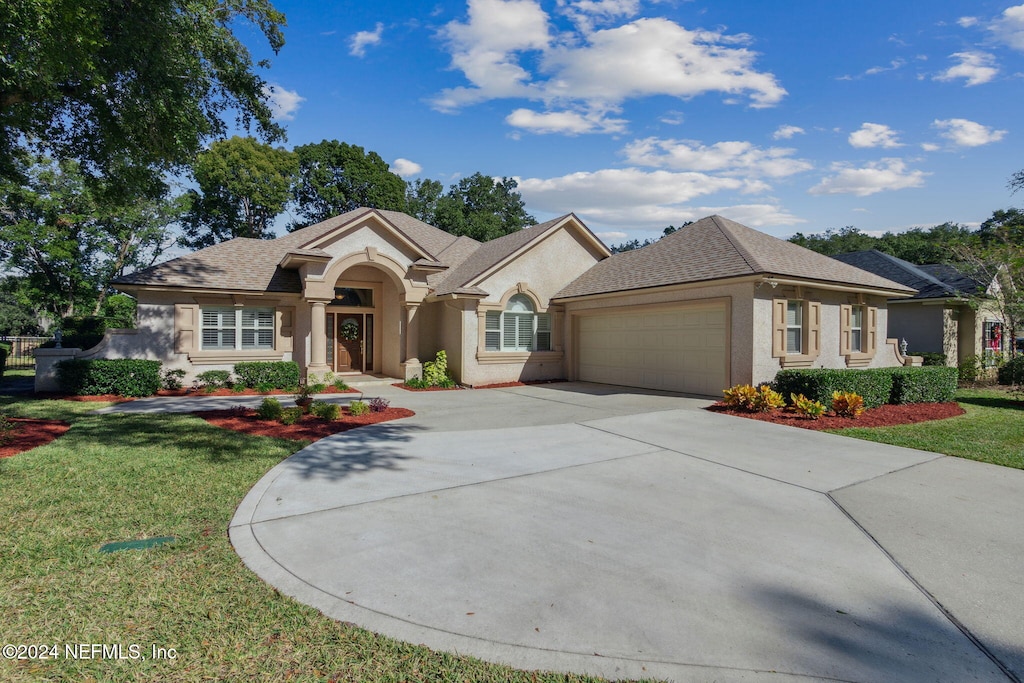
{"x": 631, "y": 534}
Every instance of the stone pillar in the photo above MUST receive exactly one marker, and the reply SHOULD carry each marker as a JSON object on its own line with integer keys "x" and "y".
{"x": 413, "y": 367}
{"x": 318, "y": 338}
{"x": 46, "y": 366}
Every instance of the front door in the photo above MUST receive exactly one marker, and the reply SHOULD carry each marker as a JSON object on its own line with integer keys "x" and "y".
{"x": 349, "y": 336}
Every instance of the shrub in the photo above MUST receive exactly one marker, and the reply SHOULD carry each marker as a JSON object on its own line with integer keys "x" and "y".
{"x": 806, "y": 407}
{"x": 339, "y": 384}
{"x": 970, "y": 369}
{"x": 270, "y": 409}
{"x": 318, "y": 388}
{"x": 1012, "y": 372}
{"x": 874, "y": 385}
{"x": 435, "y": 373}
{"x": 265, "y": 388}
{"x": 767, "y": 400}
{"x": 847, "y": 404}
{"x": 930, "y": 359}
{"x": 277, "y": 374}
{"x": 6, "y": 429}
{"x": 357, "y": 408}
{"x": 172, "y": 379}
{"x": 325, "y": 411}
{"x": 214, "y": 379}
{"x": 290, "y": 416}
{"x": 923, "y": 385}
{"x": 740, "y": 396}
{"x": 5, "y": 350}
{"x": 379, "y": 404}
{"x": 121, "y": 376}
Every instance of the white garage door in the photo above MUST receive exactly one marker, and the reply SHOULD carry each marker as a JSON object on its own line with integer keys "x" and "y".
{"x": 673, "y": 349}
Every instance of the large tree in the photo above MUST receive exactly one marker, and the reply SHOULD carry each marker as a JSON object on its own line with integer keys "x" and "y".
{"x": 243, "y": 186}
{"x": 335, "y": 177}
{"x": 421, "y": 197}
{"x": 66, "y": 238}
{"x": 131, "y": 89}
{"x": 483, "y": 208}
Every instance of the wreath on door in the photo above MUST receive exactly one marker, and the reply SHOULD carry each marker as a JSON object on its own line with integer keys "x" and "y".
{"x": 349, "y": 330}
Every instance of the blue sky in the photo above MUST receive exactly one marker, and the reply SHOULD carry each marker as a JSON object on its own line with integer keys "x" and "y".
{"x": 640, "y": 114}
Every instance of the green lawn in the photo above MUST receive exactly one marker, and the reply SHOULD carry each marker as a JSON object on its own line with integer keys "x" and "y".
{"x": 122, "y": 477}
{"x": 991, "y": 431}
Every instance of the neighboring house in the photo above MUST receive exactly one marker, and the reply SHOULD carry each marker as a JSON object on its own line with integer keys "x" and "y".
{"x": 711, "y": 305}
{"x": 939, "y": 318}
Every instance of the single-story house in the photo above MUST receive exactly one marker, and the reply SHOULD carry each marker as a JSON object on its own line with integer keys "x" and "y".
{"x": 371, "y": 291}
{"x": 939, "y": 318}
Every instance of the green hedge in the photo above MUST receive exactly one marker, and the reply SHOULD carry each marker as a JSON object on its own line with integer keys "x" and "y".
{"x": 877, "y": 386}
{"x": 1012, "y": 372}
{"x": 929, "y": 384}
{"x": 279, "y": 374}
{"x": 5, "y": 350}
{"x": 874, "y": 385}
{"x": 121, "y": 376}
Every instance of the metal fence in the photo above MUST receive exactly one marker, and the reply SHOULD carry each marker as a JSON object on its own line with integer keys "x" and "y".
{"x": 20, "y": 357}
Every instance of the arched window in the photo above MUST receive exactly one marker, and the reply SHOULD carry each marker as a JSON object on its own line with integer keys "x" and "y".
{"x": 518, "y": 327}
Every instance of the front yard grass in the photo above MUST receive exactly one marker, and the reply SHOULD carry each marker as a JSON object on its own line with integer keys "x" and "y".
{"x": 125, "y": 477}
{"x": 991, "y": 431}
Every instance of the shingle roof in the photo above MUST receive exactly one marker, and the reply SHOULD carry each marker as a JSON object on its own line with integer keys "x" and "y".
{"x": 253, "y": 265}
{"x": 490, "y": 254}
{"x": 931, "y": 282}
{"x": 715, "y": 248}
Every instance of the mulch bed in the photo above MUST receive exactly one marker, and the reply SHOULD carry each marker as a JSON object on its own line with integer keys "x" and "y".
{"x": 93, "y": 398}
{"x": 882, "y": 416}
{"x": 29, "y": 434}
{"x": 247, "y": 392}
{"x": 308, "y": 428}
{"x": 402, "y": 385}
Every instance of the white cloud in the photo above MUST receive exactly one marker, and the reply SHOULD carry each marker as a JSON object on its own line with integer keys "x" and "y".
{"x": 405, "y": 168}
{"x": 612, "y": 236}
{"x": 893, "y": 66}
{"x": 506, "y": 49}
{"x": 728, "y": 158}
{"x": 283, "y": 103}
{"x": 786, "y": 132}
{"x": 967, "y": 22}
{"x": 975, "y": 67}
{"x": 930, "y": 147}
{"x": 965, "y": 133}
{"x": 358, "y": 43}
{"x": 565, "y": 122}
{"x": 879, "y": 176}
{"x": 874, "y": 135}
{"x": 588, "y": 13}
{"x": 1009, "y": 28}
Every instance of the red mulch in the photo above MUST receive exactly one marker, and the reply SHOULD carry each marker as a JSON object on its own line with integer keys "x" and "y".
{"x": 882, "y": 416}
{"x": 95, "y": 398}
{"x": 29, "y": 434}
{"x": 402, "y": 385}
{"x": 248, "y": 392}
{"x": 308, "y": 428}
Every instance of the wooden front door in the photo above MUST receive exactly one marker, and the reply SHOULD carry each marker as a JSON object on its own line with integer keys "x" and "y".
{"x": 350, "y": 342}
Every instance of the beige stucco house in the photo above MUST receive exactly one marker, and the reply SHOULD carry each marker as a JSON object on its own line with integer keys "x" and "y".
{"x": 372, "y": 291}
{"x": 939, "y": 318}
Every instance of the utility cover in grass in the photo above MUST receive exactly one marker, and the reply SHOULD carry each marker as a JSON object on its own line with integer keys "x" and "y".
{"x": 140, "y": 544}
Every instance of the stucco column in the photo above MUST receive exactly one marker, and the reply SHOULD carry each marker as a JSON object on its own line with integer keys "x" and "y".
{"x": 318, "y": 338}
{"x": 412, "y": 335}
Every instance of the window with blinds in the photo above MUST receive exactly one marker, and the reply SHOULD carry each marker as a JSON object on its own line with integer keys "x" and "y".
{"x": 237, "y": 328}
{"x": 517, "y": 328}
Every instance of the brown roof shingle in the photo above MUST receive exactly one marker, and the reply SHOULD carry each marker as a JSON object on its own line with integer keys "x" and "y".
{"x": 716, "y": 248}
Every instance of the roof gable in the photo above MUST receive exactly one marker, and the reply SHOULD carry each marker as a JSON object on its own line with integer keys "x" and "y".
{"x": 716, "y": 248}
{"x": 931, "y": 282}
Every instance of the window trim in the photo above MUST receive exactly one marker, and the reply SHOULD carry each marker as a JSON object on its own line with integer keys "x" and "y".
{"x": 239, "y": 328}
{"x": 810, "y": 337}
{"x": 858, "y": 357}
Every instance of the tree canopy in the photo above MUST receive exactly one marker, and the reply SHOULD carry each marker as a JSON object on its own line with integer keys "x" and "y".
{"x": 918, "y": 245}
{"x": 482, "y": 208}
{"x": 130, "y": 89}
{"x": 243, "y": 186}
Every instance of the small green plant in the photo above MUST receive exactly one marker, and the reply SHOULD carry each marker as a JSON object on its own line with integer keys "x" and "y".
{"x": 767, "y": 399}
{"x": 339, "y": 384}
{"x": 270, "y": 409}
{"x": 740, "y": 396}
{"x": 379, "y": 404}
{"x": 317, "y": 388}
{"x": 238, "y": 388}
{"x": 173, "y": 379}
{"x": 357, "y": 408}
{"x": 325, "y": 411}
{"x": 265, "y": 387}
{"x": 806, "y": 407}
{"x": 847, "y": 404}
{"x": 214, "y": 379}
{"x": 435, "y": 373}
{"x": 6, "y": 429}
{"x": 290, "y": 416}
{"x": 971, "y": 369}
{"x": 1012, "y": 372}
